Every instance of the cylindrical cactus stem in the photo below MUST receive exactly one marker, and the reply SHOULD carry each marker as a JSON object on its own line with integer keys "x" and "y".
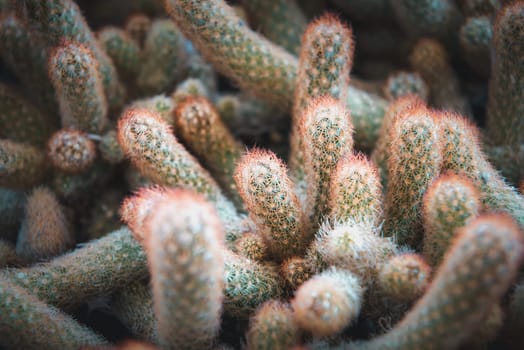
{"x": 328, "y": 302}
{"x": 154, "y": 150}
{"x": 428, "y": 18}
{"x": 247, "y": 57}
{"x": 295, "y": 271}
{"x": 475, "y": 274}
{"x": 46, "y": 231}
{"x": 415, "y": 158}
{"x": 122, "y": 49}
{"x": 21, "y": 165}
{"x": 202, "y": 130}
{"x": 355, "y": 192}
{"x": 504, "y": 123}
{"x": 26, "y": 56}
{"x": 62, "y": 20}
{"x": 327, "y": 134}
{"x": 137, "y": 26}
{"x": 164, "y": 58}
{"x": 404, "y": 277}
{"x": 462, "y": 154}
{"x": 73, "y": 70}
{"x": 248, "y": 284}
{"x": 489, "y": 329}
{"x": 280, "y": 21}
{"x": 186, "y": 262}
{"x": 450, "y": 202}
{"x": 400, "y": 84}
{"x": 71, "y": 151}
{"x": 20, "y": 121}
{"x": 326, "y": 59}
{"x": 98, "y": 268}
{"x": 28, "y": 323}
{"x": 475, "y": 42}
{"x": 354, "y": 247}
{"x": 272, "y": 327}
{"x": 256, "y": 64}
{"x": 381, "y": 152}
{"x": 430, "y": 59}
{"x": 269, "y": 196}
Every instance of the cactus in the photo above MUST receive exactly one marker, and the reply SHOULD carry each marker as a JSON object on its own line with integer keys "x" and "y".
{"x": 200, "y": 127}
{"x": 187, "y": 266}
{"x": 327, "y": 303}
{"x": 123, "y": 50}
{"x": 450, "y": 202}
{"x": 295, "y": 271}
{"x": 50, "y": 328}
{"x": 73, "y": 70}
{"x": 414, "y": 160}
{"x": 405, "y": 83}
{"x": 21, "y": 165}
{"x": 98, "y": 268}
{"x": 404, "y": 277}
{"x": 486, "y": 254}
{"x": 272, "y": 327}
{"x": 71, "y": 151}
{"x": 475, "y": 40}
{"x": 326, "y": 58}
{"x": 45, "y": 230}
{"x": 272, "y": 204}
{"x": 137, "y": 26}
{"x": 252, "y": 246}
{"x": 280, "y": 21}
{"x": 506, "y": 87}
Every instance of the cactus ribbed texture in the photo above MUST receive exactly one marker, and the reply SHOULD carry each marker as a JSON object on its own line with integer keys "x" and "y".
{"x": 415, "y": 158}
{"x": 252, "y": 246}
{"x": 161, "y": 104}
{"x": 269, "y": 196}
{"x": 73, "y": 70}
{"x": 272, "y": 327}
{"x": 477, "y": 271}
{"x": 46, "y": 231}
{"x": 21, "y": 165}
{"x": 504, "y": 122}
{"x": 28, "y": 323}
{"x": 328, "y": 302}
{"x": 202, "y": 130}
{"x": 327, "y": 134}
{"x": 98, "y": 268}
{"x": 71, "y": 151}
{"x": 450, "y": 202}
{"x": 295, "y": 271}
{"x": 186, "y": 262}
{"x": 326, "y": 58}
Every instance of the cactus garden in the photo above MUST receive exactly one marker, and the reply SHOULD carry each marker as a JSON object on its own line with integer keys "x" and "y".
{"x": 251, "y": 174}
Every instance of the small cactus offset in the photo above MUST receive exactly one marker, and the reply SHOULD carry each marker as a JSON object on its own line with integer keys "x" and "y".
{"x": 212, "y": 174}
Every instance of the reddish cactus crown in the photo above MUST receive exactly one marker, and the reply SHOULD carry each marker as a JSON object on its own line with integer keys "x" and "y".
{"x": 71, "y": 151}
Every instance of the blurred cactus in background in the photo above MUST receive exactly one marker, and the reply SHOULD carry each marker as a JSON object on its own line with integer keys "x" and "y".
{"x": 248, "y": 174}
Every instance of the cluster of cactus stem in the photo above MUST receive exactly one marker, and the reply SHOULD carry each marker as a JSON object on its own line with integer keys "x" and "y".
{"x": 185, "y": 174}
